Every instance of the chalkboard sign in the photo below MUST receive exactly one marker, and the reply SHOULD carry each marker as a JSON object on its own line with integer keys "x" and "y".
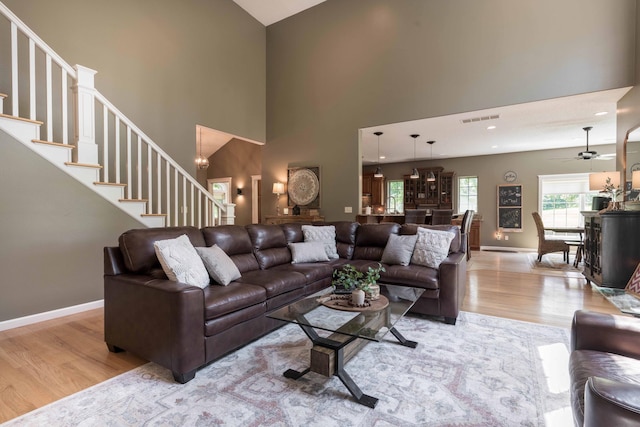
{"x": 510, "y": 207}
{"x": 510, "y": 195}
{"x": 510, "y": 219}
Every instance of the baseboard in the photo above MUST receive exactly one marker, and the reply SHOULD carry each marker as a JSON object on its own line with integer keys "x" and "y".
{"x": 49, "y": 315}
{"x": 506, "y": 249}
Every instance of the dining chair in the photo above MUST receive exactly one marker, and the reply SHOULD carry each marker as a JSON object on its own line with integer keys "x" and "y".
{"x": 546, "y": 246}
{"x": 441, "y": 216}
{"x": 465, "y": 227}
{"x": 415, "y": 216}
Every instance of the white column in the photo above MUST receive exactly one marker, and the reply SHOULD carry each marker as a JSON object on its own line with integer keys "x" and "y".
{"x": 86, "y": 148}
{"x": 228, "y": 216}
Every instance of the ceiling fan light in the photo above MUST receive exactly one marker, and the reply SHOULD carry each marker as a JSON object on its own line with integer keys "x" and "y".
{"x": 414, "y": 174}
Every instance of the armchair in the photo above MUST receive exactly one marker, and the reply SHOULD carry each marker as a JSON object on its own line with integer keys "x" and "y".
{"x": 605, "y": 369}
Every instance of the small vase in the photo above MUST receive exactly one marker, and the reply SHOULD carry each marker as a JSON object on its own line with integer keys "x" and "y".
{"x": 374, "y": 292}
{"x": 357, "y": 297}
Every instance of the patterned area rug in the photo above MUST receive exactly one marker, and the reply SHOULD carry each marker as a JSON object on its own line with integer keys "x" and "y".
{"x": 485, "y": 371}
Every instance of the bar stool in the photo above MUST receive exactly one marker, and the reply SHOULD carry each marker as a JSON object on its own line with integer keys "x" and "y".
{"x": 579, "y": 249}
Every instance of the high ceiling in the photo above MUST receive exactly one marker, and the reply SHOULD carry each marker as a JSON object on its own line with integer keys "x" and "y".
{"x": 542, "y": 125}
{"x": 270, "y": 11}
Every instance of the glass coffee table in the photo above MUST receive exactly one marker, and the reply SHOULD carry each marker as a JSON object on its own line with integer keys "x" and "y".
{"x": 349, "y": 329}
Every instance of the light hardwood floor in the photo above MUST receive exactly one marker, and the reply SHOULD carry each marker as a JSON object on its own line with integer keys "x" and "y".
{"x": 45, "y": 362}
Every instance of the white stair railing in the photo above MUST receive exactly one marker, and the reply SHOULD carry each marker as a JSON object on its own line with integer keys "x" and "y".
{"x": 103, "y": 134}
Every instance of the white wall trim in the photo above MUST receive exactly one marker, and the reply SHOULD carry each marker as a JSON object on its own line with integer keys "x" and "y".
{"x": 507, "y": 249}
{"x": 49, "y": 315}
{"x": 255, "y": 198}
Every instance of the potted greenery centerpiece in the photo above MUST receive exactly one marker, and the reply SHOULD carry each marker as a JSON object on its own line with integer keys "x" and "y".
{"x": 348, "y": 279}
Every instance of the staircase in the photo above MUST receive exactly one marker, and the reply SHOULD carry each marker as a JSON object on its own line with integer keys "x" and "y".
{"x": 110, "y": 155}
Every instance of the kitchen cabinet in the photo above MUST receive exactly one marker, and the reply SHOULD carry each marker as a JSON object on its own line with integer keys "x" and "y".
{"x": 436, "y": 194}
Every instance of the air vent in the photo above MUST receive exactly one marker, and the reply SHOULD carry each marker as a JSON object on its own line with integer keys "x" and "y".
{"x": 481, "y": 119}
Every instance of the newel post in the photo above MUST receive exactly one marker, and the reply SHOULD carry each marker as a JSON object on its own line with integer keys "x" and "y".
{"x": 84, "y": 106}
{"x": 228, "y": 215}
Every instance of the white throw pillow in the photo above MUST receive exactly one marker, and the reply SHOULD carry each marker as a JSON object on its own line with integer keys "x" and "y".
{"x": 399, "y": 249}
{"x": 325, "y": 234}
{"x": 221, "y": 268}
{"x": 432, "y": 247}
{"x": 181, "y": 262}
{"x": 308, "y": 252}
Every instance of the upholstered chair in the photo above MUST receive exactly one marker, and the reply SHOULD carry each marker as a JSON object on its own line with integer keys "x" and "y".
{"x": 465, "y": 227}
{"x": 441, "y": 216}
{"x": 415, "y": 216}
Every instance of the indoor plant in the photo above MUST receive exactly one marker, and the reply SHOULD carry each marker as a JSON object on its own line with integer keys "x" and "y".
{"x": 348, "y": 278}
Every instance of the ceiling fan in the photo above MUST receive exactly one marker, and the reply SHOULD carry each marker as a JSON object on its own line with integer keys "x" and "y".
{"x": 591, "y": 154}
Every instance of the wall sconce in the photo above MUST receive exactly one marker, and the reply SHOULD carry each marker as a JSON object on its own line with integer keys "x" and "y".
{"x": 278, "y": 189}
{"x": 239, "y": 191}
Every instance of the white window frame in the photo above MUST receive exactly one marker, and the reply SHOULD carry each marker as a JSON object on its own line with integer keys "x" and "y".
{"x": 583, "y": 176}
{"x": 460, "y": 192}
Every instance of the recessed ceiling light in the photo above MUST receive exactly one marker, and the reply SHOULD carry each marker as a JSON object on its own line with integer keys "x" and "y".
{"x": 383, "y": 157}
{"x": 494, "y": 146}
{"x": 491, "y": 127}
{"x": 602, "y": 113}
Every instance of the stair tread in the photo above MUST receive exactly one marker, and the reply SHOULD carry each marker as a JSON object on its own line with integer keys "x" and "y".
{"x": 115, "y": 184}
{"x": 55, "y": 144}
{"x": 83, "y": 165}
{"x": 3, "y": 95}
{"x": 22, "y": 119}
{"x": 133, "y": 200}
{"x": 153, "y": 214}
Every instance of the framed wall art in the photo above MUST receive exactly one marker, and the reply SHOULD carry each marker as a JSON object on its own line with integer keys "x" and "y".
{"x": 303, "y": 187}
{"x": 510, "y": 208}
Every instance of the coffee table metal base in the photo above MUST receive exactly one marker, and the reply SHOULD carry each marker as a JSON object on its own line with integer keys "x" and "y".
{"x": 338, "y": 348}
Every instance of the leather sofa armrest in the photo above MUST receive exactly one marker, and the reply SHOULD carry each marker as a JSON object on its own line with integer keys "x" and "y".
{"x": 159, "y": 320}
{"x": 453, "y": 285}
{"x": 611, "y": 403}
{"x": 605, "y": 332}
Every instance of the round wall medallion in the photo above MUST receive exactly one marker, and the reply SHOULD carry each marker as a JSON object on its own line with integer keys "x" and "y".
{"x": 510, "y": 176}
{"x": 635, "y": 167}
{"x": 303, "y": 187}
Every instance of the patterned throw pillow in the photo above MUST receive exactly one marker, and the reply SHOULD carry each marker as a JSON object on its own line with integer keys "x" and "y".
{"x": 432, "y": 247}
{"x": 221, "y": 268}
{"x": 325, "y": 234}
{"x": 307, "y": 252}
{"x": 181, "y": 262}
{"x": 399, "y": 249}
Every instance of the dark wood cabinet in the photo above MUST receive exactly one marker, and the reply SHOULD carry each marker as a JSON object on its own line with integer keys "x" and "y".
{"x": 373, "y": 187}
{"x": 612, "y": 247}
{"x": 429, "y": 194}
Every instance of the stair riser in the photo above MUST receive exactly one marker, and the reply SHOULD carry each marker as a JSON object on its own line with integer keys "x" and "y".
{"x": 135, "y": 209}
{"x": 109, "y": 192}
{"x": 86, "y": 175}
{"x": 23, "y": 131}
{"x": 52, "y": 153}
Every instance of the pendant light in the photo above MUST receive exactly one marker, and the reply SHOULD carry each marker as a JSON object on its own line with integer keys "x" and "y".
{"x": 201, "y": 161}
{"x": 378, "y": 173}
{"x": 414, "y": 172}
{"x": 431, "y": 176}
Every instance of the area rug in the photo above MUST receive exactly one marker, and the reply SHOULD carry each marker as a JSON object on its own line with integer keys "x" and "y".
{"x": 553, "y": 262}
{"x": 484, "y": 371}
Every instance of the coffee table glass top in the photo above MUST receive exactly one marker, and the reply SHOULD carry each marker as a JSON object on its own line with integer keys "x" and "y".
{"x": 371, "y": 325}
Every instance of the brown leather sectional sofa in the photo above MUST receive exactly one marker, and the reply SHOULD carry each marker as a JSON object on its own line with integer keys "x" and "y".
{"x": 183, "y": 327}
{"x": 605, "y": 370}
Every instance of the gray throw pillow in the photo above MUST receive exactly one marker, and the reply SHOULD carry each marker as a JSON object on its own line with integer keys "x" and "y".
{"x": 221, "y": 268}
{"x": 322, "y": 233}
{"x": 308, "y": 252}
{"x": 399, "y": 249}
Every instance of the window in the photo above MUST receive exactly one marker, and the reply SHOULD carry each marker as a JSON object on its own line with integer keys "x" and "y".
{"x": 562, "y": 197}
{"x": 467, "y": 193}
{"x": 395, "y": 196}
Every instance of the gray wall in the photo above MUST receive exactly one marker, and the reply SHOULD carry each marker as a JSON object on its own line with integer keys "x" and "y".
{"x": 348, "y": 64}
{"x": 490, "y": 171}
{"x": 167, "y": 65}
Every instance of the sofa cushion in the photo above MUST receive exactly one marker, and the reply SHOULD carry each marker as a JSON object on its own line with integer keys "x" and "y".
{"x": 181, "y": 262}
{"x": 455, "y": 243}
{"x": 303, "y": 252}
{"x": 293, "y": 232}
{"x": 275, "y": 281}
{"x": 371, "y": 239}
{"x": 269, "y": 245}
{"x": 345, "y": 237}
{"x": 432, "y": 247}
{"x": 399, "y": 249}
{"x": 220, "y": 267}
{"x": 322, "y": 233}
{"x": 312, "y": 271}
{"x": 221, "y": 300}
{"x": 137, "y": 248}
{"x": 411, "y": 275}
{"x": 234, "y": 240}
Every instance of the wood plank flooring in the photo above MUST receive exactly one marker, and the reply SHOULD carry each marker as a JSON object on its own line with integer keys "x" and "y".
{"x": 47, "y": 361}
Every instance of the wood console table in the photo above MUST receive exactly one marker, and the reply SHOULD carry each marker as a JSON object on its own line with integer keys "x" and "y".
{"x": 286, "y": 219}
